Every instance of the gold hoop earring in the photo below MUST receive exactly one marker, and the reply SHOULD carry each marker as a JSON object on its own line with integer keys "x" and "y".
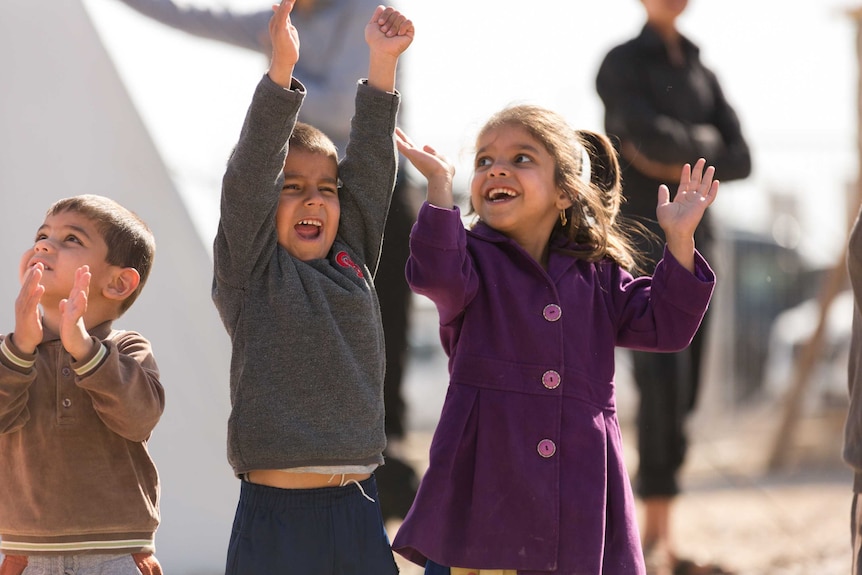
{"x": 563, "y": 219}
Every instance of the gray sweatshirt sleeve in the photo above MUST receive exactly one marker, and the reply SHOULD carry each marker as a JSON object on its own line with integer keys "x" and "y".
{"x": 368, "y": 173}
{"x": 246, "y": 235}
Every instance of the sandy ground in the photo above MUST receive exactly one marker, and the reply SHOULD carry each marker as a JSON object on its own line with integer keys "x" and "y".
{"x": 736, "y": 512}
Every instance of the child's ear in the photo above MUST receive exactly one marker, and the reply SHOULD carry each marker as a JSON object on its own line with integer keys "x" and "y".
{"x": 122, "y": 284}
{"x": 564, "y": 200}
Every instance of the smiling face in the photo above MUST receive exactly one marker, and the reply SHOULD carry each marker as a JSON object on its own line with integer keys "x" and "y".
{"x": 308, "y": 208}
{"x": 63, "y": 243}
{"x": 514, "y": 187}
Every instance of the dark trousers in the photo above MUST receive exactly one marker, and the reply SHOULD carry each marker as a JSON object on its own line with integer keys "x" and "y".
{"x": 668, "y": 385}
{"x": 325, "y": 531}
{"x": 394, "y": 295}
{"x": 397, "y": 480}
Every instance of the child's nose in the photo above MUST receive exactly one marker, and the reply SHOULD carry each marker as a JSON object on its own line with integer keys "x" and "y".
{"x": 314, "y": 198}
{"x": 498, "y": 168}
{"x": 42, "y": 245}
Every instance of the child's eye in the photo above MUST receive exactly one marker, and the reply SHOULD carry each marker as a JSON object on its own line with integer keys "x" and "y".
{"x": 523, "y": 159}
{"x": 73, "y": 239}
{"x": 483, "y": 161}
{"x": 328, "y": 190}
{"x": 291, "y": 188}
{"x": 40, "y": 237}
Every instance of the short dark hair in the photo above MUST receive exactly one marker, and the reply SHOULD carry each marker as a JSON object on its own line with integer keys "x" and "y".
{"x": 130, "y": 242}
{"x": 313, "y": 140}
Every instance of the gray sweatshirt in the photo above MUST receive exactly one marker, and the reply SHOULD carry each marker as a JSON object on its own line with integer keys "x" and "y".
{"x": 307, "y": 340}
{"x": 853, "y": 426}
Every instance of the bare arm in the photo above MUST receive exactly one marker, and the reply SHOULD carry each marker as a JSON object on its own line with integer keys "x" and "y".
{"x": 388, "y": 34}
{"x": 285, "y": 45}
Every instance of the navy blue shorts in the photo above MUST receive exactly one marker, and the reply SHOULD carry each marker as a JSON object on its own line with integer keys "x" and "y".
{"x": 326, "y": 531}
{"x": 432, "y": 568}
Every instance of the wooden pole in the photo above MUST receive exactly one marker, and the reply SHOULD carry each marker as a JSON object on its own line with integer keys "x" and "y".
{"x": 832, "y": 285}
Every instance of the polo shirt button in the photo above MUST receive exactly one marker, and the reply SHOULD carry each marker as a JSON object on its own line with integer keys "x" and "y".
{"x": 67, "y": 403}
{"x": 547, "y": 448}
{"x": 551, "y": 379}
{"x": 66, "y": 372}
{"x": 552, "y": 312}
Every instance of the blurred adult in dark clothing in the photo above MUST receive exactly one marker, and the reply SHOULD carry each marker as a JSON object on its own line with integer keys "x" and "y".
{"x": 664, "y": 108}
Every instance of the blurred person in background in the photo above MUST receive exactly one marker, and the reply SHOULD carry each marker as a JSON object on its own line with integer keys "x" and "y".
{"x": 853, "y": 426}
{"x": 664, "y": 108}
{"x": 329, "y": 67}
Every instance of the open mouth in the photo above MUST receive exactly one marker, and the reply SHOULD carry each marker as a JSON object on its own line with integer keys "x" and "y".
{"x": 309, "y": 229}
{"x": 499, "y": 195}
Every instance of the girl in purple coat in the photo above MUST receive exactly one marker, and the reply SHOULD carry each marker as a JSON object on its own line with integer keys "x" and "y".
{"x": 526, "y": 467}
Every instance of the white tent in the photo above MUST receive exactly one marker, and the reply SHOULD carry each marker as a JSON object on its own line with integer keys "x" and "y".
{"x": 68, "y": 126}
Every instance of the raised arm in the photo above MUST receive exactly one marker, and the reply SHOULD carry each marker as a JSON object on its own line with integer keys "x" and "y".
{"x": 388, "y": 34}
{"x": 285, "y": 45}
{"x": 436, "y": 169}
{"x": 251, "y": 185}
{"x": 680, "y": 217}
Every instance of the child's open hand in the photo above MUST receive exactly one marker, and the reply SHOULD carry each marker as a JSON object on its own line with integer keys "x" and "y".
{"x": 697, "y": 190}
{"x": 389, "y": 32}
{"x": 28, "y": 318}
{"x": 285, "y": 44}
{"x": 436, "y": 168}
{"x": 73, "y": 334}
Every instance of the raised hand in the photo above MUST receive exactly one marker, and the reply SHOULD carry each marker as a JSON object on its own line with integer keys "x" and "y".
{"x": 73, "y": 333}
{"x": 285, "y": 44}
{"x": 28, "y": 318}
{"x": 697, "y": 190}
{"x": 389, "y": 32}
{"x": 437, "y": 169}
{"x": 680, "y": 217}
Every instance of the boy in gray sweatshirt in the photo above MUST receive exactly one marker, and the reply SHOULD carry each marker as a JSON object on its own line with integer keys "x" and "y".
{"x": 295, "y": 255}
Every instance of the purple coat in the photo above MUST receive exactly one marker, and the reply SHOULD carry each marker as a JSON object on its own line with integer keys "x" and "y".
{"x": 526, "y": 465}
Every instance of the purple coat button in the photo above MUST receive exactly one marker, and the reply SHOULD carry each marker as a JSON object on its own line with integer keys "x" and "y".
{"x": 546, "y": 448}
{"x": 552, "y": 312}
{"x": 551, "y": 379}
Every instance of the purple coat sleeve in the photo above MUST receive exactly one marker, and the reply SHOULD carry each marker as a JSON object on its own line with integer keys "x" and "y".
{"x": 662, "y": 312}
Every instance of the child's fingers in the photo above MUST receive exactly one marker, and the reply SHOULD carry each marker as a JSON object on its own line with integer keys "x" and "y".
{"x": 403, "y": 145}
{"x": 431, "y": 151}
{"x": 402, "y": 136}
{"x": 82, "y": 277}
{"x": 663, "y": 195}
{"x": 711, "y": 193}
{"x": 684, "y": 179}
{"x": 403, "y": 27}
{"x": 705, "y": 183}
{"x": 284, "y": 5}
{"x": 32, "y": 275}
{"x": 392, "y": 22}
{"x": 281, "y": 15}
{"x": 33, "y": 278}
{"x": 696, "y": 175}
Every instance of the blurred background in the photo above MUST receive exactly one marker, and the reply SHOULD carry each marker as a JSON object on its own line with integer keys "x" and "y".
{"x": 97, "y": 98}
